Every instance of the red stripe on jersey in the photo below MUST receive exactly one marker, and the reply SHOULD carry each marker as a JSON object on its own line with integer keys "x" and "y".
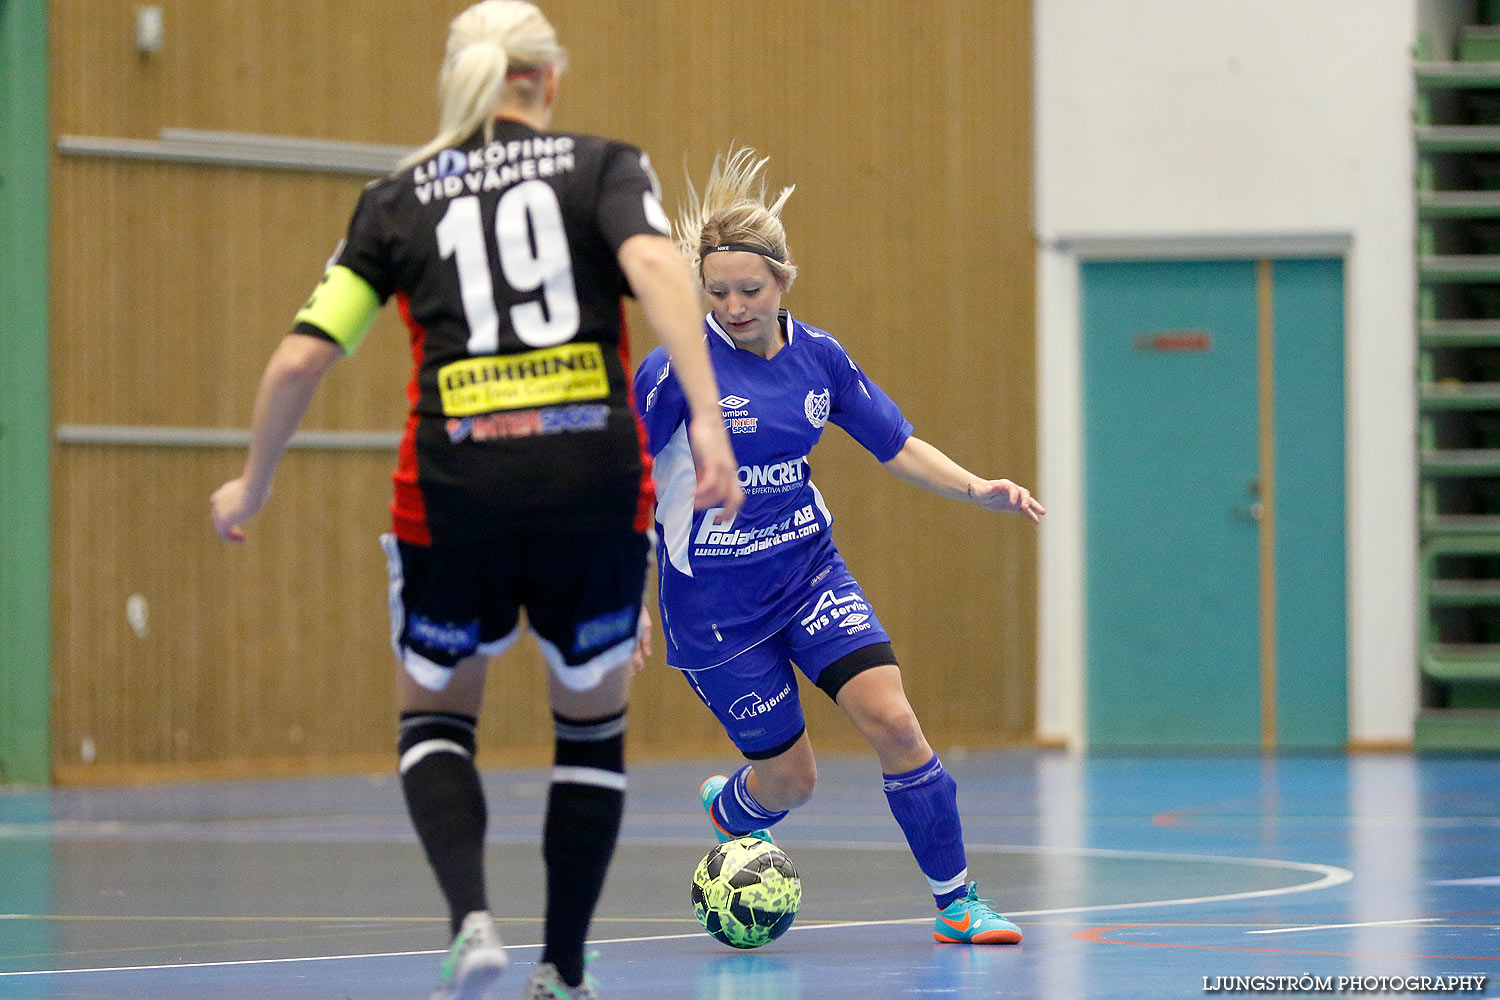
{"x": 645, "y": 507}
{"x": 408, "y": 511}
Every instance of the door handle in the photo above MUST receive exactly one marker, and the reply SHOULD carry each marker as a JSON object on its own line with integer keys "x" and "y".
{"x": 1254, "y": 512}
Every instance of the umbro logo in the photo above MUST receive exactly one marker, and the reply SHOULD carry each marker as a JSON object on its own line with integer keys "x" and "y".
{"x": 733, "y": 402}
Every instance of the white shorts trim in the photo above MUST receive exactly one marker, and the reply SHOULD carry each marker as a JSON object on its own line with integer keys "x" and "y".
{"x": 394, "y": 574}
{"x": 432, "y": 676}
{"x": 499, "y": 645}
{"x": 587, "y": 675}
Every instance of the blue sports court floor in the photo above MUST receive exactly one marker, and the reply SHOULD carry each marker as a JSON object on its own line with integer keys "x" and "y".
{"x": 1133, "y": 877}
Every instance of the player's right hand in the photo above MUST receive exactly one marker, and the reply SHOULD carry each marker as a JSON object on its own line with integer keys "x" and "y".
{"x": 231, "y": 506}
{"x": 718, "y": 471}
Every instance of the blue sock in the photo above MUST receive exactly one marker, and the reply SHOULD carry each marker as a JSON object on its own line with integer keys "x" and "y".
{"x": 736, "y": 809}
{"x": 925, "y": 804}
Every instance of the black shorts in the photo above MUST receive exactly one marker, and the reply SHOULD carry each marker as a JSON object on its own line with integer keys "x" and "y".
{"x": 581, "y": 591}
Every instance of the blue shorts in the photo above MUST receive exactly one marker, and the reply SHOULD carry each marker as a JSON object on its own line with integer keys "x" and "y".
{"x": 833, "y": 636}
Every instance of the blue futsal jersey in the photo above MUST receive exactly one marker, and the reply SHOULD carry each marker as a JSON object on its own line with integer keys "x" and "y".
{"x": 727, "y": 583}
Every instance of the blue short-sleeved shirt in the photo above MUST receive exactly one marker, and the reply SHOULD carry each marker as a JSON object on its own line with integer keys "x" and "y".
{"x": 728, "y": 583}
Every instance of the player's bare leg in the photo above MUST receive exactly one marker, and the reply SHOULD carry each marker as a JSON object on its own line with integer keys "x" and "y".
{"x": 924, "y": 800}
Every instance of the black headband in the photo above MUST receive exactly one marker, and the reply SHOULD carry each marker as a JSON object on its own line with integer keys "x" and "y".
{"x": 743, "y": 248}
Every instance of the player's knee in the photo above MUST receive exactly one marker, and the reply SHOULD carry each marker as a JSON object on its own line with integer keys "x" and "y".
{"x": 800, "y": 789}
{"x": 892, "y": 729}
{"x": 788, "y": 788}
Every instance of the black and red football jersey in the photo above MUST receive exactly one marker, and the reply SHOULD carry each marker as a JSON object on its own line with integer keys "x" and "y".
{"x": 502, "y": 258}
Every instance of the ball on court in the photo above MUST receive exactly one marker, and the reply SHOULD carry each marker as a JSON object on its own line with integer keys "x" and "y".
{"x": 746, "y": 892}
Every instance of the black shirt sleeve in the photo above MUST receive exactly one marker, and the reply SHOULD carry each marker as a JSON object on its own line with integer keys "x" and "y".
{"x": 629, "y": 197}
{"x": 366, "y": 246}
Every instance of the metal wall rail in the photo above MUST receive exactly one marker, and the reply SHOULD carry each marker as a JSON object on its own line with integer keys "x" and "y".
{"x": 221, "y": 437}
{"x": 242, "y": 149}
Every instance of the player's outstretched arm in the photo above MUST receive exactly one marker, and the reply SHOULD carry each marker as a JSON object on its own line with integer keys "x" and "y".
{"x": 920, "y": 463}
{"x": 291, "y": 376}
{"x": 664, "y": 286}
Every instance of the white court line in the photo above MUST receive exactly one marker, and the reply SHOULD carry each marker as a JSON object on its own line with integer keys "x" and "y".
{"x": 1329, "y": 876}
{"x": 1486, "y": 880}
{"x": 225, "y": 965}
{"x": 1334, "y": 927}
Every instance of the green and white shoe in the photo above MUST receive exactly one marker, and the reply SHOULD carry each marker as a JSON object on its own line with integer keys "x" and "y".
{"x": 474, "y": 962}
{"x": 546, "y": 984}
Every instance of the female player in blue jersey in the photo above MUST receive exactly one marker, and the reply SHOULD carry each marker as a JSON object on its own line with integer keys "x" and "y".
{"x": 746, "y": 595}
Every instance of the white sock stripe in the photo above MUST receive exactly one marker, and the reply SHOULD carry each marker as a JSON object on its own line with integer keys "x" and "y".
{"x": 447, "y": 720}
{"x": 421, "y": 750}
{"x": 931, "y": 772}
{"x": 596, "y": 776}
{"x": 754, "y": 808}
{"x": 589, "y": 732}
{"x": 956, "y": 882}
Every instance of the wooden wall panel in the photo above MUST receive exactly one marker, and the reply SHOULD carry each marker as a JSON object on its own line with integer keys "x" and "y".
{"x": 906, "y": 129}
{"x": 179, "y": 281}
{"x": 270, "y": 650}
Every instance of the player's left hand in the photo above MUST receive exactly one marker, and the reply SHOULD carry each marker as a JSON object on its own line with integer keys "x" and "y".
{"x": 642, "y": 645}
{"x": 1005, "y": 497}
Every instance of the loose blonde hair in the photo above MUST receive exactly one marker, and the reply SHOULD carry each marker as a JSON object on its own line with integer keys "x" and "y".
{"x": 733, "y": 209}
{"x": 486, "y": 42}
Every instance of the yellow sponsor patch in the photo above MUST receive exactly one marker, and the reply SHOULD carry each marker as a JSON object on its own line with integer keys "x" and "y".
{"x": 545, "y": 377}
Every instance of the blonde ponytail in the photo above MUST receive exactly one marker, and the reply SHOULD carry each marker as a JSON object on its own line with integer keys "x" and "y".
{"x": 733, "y": 210}
{"x": 485, "y": 43}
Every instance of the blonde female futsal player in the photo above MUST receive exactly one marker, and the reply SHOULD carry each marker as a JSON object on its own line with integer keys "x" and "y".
{"x": 520, "y": 481}
{"x": 746, "y": 594}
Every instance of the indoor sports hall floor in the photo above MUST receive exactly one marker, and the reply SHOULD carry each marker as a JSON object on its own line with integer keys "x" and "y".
{"x": 1133, "y": 877}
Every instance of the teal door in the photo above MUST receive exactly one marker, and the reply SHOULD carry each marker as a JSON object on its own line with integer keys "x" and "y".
{"x": 1214, "y": 503}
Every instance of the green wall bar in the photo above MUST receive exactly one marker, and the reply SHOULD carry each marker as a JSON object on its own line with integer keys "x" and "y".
{"x": 25, "y": 608}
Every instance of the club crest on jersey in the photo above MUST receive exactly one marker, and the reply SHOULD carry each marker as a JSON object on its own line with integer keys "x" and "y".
{"x": 816, "y": 407}
{"x": 451, "y": 163}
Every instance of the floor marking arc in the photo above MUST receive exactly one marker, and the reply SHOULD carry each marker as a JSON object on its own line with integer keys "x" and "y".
{"x": 1329, "y": 876}
{"x": 1333, "y": 927}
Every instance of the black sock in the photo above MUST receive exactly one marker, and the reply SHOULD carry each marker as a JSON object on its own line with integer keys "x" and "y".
{"x": 446, "y": 804}
{"x": 583, "y": 821}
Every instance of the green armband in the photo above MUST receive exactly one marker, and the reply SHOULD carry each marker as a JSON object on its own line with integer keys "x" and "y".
{"x": 343, "y": 306}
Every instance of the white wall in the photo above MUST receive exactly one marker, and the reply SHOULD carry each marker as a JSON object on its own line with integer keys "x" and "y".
{"x": 1253, "y": 126}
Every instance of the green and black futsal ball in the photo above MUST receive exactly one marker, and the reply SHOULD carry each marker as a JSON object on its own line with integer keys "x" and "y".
{"x": 746, "y": 892}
